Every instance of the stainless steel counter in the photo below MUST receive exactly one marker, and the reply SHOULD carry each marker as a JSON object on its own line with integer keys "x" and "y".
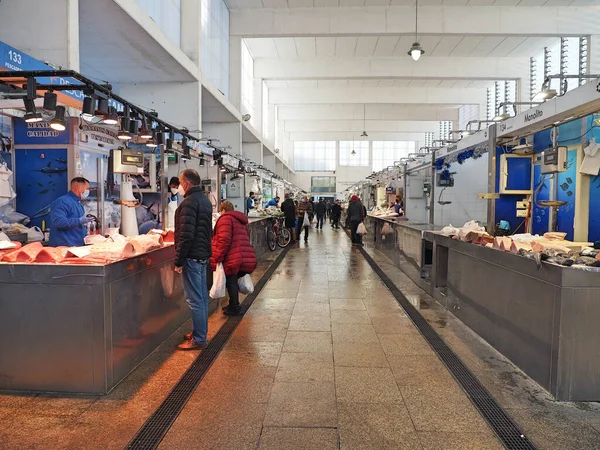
{"x": 83, "y": 329}
{"x": 545, "y": 321}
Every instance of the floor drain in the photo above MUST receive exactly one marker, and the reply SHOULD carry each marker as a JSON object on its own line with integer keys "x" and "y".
{"x": 150, "y": 435}
{"x": 504, "y": 427}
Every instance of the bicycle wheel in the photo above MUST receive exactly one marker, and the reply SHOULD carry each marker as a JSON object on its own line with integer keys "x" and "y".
{"x": 284, "y": 237}
{"x": 271, "y": 240}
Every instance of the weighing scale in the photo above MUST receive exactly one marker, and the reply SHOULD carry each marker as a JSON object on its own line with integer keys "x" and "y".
{"x": 128, "y": 162}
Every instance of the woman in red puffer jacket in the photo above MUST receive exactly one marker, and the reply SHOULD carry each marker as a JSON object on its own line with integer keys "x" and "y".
{"x": 231, "y": 246}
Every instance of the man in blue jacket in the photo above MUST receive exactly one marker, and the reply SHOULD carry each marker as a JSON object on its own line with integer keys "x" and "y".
{"x": 68, "y": 220}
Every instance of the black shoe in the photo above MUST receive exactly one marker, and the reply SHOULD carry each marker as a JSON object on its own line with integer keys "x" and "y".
{"x": 232, "y": 312}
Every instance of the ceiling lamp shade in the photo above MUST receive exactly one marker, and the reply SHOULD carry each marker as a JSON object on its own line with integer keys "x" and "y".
{"x": 501, "y": 117}
{"x": 145, "y": 133}
{"x": 134, "y": 126}
{"x": 353, "y": 152}
{"x": 364, "y": 134}
{"x": 31, "y": 114}
{"x": 545, "y": 94}
{"x": 123, "y": 133}
{"x": 416, "y": 51}
{"x": 59, "y": 123}
{"x": 88, "y": 110}
{"x": 111, "y": 118}
{"x": 102, "y": 107}
{"x": 50, "y": 100}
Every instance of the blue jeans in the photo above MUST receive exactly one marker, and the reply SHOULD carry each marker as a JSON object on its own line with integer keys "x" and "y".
{"x": 320, "y": 220}
{"x": 196, "y": 293}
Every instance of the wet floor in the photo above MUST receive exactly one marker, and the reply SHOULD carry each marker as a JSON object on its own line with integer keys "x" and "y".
{"x": 324, "y": 359}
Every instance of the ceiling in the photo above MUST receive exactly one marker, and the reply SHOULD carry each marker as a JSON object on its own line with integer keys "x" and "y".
{"x": 327, "y": 61}
{"x": 247, "y": 4}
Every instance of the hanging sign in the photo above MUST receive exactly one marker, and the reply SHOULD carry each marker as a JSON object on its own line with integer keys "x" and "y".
{"x": 98, "y": 135}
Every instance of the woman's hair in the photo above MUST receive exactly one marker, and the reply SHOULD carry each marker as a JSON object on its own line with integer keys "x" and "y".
{"x": 226, "y": 206}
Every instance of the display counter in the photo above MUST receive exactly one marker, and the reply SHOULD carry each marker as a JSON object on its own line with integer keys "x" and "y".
{"x": 84, "y": 328}
{"x": 403, "y": 241}
{"x": 545, "y": 321}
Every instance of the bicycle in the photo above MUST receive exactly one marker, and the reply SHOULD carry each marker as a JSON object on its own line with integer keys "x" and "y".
{"x": 278, "y": 235}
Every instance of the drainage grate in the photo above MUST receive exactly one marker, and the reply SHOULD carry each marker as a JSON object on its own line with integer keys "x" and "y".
{"x": 504, "y": 427}
{"x": 150, "y": 435}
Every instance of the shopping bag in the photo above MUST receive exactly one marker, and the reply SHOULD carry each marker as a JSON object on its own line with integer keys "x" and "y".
{"x": 245, "y": 285}
{"x": 306, "y": 222}
{"x": 361, "y": 229}
{"x": 218, "y": 288}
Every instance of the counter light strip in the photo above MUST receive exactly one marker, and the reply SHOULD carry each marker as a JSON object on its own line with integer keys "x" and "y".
{"x": 150, "y": 435}
{"x": 499, "y": 421}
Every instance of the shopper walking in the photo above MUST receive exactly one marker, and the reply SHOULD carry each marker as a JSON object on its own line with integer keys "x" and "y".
{"x": 231, "y": 246}
{"x": 304, "y": 209}
{"x": 288, "y": 207}
{"x": 356, "y": 215}
{"x": 320, "y": 210}
{"x": 336, "y": 214}
{"x": 193, "y": 230}
{"x": 328, "y": 210}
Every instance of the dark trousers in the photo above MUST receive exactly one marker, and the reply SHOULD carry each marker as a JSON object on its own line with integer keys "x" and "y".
{"x": 336, "y": 222}
{"x": 299, "y": 230}
{"x": 320, "y": 219}
{"x": 356, "y": 238}
{"x": 231, "y": 282}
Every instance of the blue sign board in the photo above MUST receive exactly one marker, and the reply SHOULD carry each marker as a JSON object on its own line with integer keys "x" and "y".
{"x": 39, "y": 133}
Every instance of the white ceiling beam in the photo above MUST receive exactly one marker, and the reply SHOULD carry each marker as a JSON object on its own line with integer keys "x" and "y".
{"x": 327, "y": 112}
{"x": 352, "y": 136}
{"x": 433, "y": 19}
{"x": 439, "y": 96}
{"x": 470, "y": 68}
{"x": 358, "y": 126}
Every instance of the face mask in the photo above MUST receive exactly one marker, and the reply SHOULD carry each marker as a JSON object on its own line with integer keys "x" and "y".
{"x": 85, "y": 194}
{"x": 174, "y": 191}
{"x": 181, "y": 190}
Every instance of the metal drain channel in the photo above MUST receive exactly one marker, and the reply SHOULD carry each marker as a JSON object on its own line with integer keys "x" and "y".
{"x": 504, "y": 427}
{"x": 150, "y": 435}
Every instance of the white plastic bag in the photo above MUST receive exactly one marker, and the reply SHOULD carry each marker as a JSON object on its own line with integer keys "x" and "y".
{"x": 245, "y": 285}
{"x": 361, "y": 229}
{"x": 306, "y": 222}
{"x": 218, "y": 287}
{"x": 35, "y": 235}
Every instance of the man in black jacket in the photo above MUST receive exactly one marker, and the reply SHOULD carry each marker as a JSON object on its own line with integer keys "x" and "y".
{"x": 356, "y": 214}
{"x": 336, "y": 214}
{"x": 193, "y": 234}
{"x": 288, "y": 207}
{"x": 320, "y": 210}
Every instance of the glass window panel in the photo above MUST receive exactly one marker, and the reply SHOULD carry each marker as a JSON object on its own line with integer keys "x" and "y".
{"x": 360, "y": 157}
{"x": 314, "y": 156}
{"x": 385, "y": 153}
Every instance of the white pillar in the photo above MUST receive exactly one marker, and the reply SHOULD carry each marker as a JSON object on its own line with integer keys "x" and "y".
{"x": 47, "y": 30}
{"x": 235, "y": 71}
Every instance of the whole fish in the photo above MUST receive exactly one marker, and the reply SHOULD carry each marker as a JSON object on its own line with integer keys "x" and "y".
{"x": 561, "y": 261}
{"x": 534, "y": 256}
{"x": 586, "y": 261}
{"x": 42, "y": 212}
{"x": 589, "y": 251}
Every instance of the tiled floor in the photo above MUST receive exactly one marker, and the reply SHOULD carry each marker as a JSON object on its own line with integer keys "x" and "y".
{"x": 324, "y": 359}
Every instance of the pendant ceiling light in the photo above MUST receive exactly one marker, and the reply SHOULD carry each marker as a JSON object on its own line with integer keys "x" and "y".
{"x": 364, "y": 133}
{"x": 353, "y": 153}
{"x": 416, "y": 51}
{"x": 59, "y": 122}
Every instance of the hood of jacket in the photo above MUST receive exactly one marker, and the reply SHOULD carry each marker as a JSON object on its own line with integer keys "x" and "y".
{"x": 239, "y": 216}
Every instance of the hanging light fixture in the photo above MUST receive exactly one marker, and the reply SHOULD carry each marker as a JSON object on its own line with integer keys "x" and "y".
{"x": 111, "y": 117}
{"x": 353, "y": 152}
{"x": 59, "y": 123}
{"x": 31, "y": 114}
{"x": 123, "y": 133}
{"x": 88, "y": 110}
{"x": 145, "y": 133}
{"x": 50, "y": 100}
{"x": 134, "y": 126}
{"x": 364, "y": 133}
{"x": 416, "y": 51}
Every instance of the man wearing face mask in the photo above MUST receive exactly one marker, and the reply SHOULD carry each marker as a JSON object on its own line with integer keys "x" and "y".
{"x": 68, "y": 223}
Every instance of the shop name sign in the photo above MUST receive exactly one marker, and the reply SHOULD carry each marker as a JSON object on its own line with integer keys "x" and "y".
{"x": 533, "y": 116}
{"x": 99, "y": 134}
{"x": 41, "y": 130}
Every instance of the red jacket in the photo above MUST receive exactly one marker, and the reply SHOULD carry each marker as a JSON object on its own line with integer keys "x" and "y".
{"x": 231, "y": 244}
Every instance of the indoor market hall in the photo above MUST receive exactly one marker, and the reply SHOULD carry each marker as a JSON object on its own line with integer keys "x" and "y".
{"x": 326, "y": 356}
